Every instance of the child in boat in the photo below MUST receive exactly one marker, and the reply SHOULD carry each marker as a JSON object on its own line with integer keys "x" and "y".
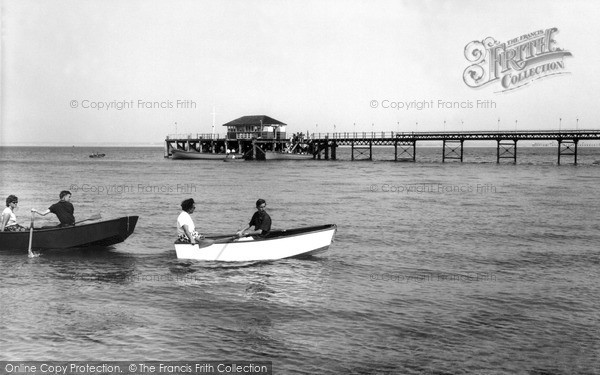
{"x": 9, "y": 219}
{"x": 63, "y": 209}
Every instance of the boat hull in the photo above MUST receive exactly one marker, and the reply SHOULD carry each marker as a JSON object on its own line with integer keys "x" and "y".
{"x": 102, "y": 233}
{"x": 182, "y": 154}
{"x": 270, "y": 155}
{"x": 233, "y": 158}
{"x": 278, "y": 245}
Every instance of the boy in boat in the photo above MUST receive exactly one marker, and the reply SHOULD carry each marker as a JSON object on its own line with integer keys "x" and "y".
{"x": 63, "y": 209}
{"x": 260, "y": 220}
{"x": 186, "y": 230}
{"x": 8, "y": 222}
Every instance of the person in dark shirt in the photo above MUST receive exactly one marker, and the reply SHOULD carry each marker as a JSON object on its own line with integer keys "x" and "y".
{"x": 261, "y": 221}
{"x": 63, "y": 209}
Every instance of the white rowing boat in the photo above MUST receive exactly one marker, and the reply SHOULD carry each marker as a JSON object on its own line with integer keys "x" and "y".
{"x": 182, "y": 154}
{"x": 233, "y": 157}
{"x": 278, "y": 244}
{"x": 273, "y": 155}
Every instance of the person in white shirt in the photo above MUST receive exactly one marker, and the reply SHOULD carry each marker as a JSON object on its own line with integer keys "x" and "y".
{"x": 186, "y": 230}
{"x": 8, "y": 223}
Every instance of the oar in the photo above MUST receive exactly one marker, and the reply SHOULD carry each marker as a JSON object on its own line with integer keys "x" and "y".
{"x": 93, "y": 217}
{"x": 227, "y": 238}
{"x": 31, "y": 254}
{"x": 236, "y": 237}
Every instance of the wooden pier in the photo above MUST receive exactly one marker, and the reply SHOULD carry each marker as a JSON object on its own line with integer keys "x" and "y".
{"x": 405, "y": 143}
{"x": 218, "y": 144}
{"x": 324, "y": 145}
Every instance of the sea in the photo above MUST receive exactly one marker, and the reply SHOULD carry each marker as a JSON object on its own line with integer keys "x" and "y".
{"x": 436, "y": 268}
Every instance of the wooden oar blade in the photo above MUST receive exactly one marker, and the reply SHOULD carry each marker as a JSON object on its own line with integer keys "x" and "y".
{"x": 30, "y": 253}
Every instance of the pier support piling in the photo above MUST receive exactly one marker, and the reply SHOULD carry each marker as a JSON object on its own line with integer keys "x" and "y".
{"x": 408, "y": 150}
{"x": 453, "y": 146}
{"x": 567, "y": 148}
{"x": 333, "y": 150}
{"x": 361, "y": 151}
{"x": 506, "y": 149}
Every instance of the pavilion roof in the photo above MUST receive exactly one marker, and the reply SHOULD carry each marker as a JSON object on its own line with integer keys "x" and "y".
{"x": 254, "y": 120}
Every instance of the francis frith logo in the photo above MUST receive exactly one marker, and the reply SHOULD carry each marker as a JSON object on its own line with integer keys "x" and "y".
{"x": 515, "y": 63}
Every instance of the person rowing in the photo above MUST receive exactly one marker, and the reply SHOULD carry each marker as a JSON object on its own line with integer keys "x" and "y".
{"x": 63, "y": 209}
{"x": 186, "y": 230}
{"x": 260, "y": 220}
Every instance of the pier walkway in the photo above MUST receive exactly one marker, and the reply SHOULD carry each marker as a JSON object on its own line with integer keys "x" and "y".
{"x": 452, "y": 142}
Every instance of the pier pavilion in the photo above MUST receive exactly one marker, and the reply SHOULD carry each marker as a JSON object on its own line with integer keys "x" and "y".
{"x": 256, "y": 127}
{"x": 244, "y": 135}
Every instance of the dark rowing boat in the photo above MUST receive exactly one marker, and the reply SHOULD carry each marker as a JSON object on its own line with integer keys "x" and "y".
{"x": 101, "y": 233}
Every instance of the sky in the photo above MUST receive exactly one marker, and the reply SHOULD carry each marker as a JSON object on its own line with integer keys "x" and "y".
{"x": 318, "y": 66}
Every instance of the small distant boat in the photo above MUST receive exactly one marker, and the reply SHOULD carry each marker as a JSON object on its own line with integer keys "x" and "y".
{"x": 274, "y": 155}
{"x": 97, "y": 155}
{"x": 182, "y": 154}
{"x": 233, "y": 157}
{"x": 279, "y": 244}
{"x": 101, "y": 233}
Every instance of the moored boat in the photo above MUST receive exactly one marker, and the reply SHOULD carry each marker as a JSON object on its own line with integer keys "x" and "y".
{"x": 273, "y": 155}
{"x": 182, "y": 154}
{"x": 233, "y": 157}
{"x": 101, "y": 233}
{"x": 279, "y": 244}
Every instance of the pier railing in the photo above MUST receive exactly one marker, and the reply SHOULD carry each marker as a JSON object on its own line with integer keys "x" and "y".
{"x": 464, "y": 135}
{"x": 208, "y": 136}
{"x": 432, "y": 135}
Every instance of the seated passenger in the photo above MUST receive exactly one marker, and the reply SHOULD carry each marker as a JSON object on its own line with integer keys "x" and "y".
{"x": 8, "y": 222}
{"x": 186, "y": 230}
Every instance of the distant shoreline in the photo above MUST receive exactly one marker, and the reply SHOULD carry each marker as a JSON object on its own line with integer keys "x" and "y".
{"x": 90, "y": 146}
